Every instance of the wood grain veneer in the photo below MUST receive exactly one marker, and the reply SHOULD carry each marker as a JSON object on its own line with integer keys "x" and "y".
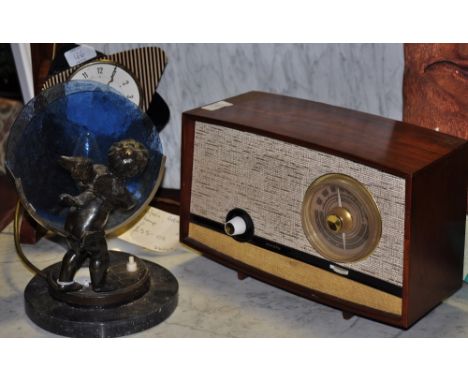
{"x": 433, "y": 165}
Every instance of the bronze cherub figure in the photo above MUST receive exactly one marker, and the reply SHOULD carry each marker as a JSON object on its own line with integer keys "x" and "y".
{"x": 102, "y": 190}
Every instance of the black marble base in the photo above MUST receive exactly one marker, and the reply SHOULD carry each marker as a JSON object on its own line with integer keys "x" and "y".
{"x": 71, "y": 320}
{"x": 120, "y": 286}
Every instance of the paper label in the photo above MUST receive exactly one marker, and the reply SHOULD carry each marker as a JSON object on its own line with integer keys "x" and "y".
{"x": 157, "y": 230}
{"x": 79, "y": 55}
{"x": 216, "y": 105}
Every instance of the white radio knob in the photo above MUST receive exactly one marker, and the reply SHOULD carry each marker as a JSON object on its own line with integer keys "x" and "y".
{"x": 236, "y": 226}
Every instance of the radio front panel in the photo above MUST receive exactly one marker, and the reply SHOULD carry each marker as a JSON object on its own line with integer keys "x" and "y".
{"x": 268, "y": 179}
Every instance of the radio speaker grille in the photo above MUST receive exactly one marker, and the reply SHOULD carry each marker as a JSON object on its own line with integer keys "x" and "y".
{"x": 268, "y": 178}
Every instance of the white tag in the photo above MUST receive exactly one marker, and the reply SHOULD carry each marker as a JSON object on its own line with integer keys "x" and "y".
{"x": 339, "y": 270}
{"x": 216, "y": 105}
{"x": 157, "y": 230}
{"x": 79, "y": 55}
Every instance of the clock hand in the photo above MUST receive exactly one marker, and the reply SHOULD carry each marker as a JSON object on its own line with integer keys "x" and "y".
{"x": 343, "y": 235}
{"x": 112, "y": 75}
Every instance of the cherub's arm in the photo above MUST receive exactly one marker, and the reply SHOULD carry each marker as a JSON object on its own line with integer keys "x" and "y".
{"x": 124, "y": 200}
{"x": 113, "y": 191}
{"x": 78, "y": 200}
{"x": 80, "y": 168}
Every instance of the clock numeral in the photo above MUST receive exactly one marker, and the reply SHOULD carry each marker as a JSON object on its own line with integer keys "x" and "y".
{"x": 100, "y": 69}
{"x": 130, "y": 96}
{"x": 125, "y": 83}
{"x": 84, "y": 74}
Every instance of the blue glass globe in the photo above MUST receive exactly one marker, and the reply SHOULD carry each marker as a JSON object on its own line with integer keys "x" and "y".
{"x": 77, "y": 118}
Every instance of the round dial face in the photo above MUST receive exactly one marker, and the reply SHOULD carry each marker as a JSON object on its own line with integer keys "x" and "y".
{"x": 111, "y": 74}
{"x": 340, "y": 218}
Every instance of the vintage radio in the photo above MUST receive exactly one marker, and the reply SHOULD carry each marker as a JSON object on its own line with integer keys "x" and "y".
{"x": 353, "y": 210}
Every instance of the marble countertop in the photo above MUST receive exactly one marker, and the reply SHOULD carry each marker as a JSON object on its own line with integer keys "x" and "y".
{"x": 214, "y": 303}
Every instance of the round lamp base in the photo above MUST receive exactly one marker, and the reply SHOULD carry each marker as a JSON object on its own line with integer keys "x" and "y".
{"x": 103, "y": 320}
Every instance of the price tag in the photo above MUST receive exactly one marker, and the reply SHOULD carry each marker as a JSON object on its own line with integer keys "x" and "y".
{"x": 216, "y": 105}
{"x": 157, "y": 230}
{"x": 79, "y": 55}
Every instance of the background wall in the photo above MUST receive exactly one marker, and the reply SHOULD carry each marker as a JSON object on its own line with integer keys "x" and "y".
{"x": 365, "y": 77}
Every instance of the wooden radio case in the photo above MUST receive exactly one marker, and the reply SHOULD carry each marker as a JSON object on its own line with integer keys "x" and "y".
{"x": 352, "y": 210}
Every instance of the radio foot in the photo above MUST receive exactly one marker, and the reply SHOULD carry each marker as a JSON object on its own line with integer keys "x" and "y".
{"x": 241, "y": 276}
{"x": 347, "y": 315}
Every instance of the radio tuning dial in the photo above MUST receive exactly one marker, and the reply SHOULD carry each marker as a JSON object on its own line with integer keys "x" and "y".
{"x": 340, "y": 218}
{"x": 334, "y": 223}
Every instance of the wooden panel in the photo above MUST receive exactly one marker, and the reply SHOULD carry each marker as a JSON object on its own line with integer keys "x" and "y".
{"x": 188, "y": 137}
{"x": 433, "y": 164}
{"x": 42, "y": 56}
{"x": 167, "y": 199}
{"x": 399, "y": 148}
{"x": 437, "y": 233}
{"x": 9, "y": 198}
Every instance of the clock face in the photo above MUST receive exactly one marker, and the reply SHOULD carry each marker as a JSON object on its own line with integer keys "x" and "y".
{"x": 111, "y": 74}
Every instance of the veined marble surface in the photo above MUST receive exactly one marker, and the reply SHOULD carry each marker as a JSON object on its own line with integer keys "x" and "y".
{"x": 364, "y": 77}
{"x": 214, "y": 303}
